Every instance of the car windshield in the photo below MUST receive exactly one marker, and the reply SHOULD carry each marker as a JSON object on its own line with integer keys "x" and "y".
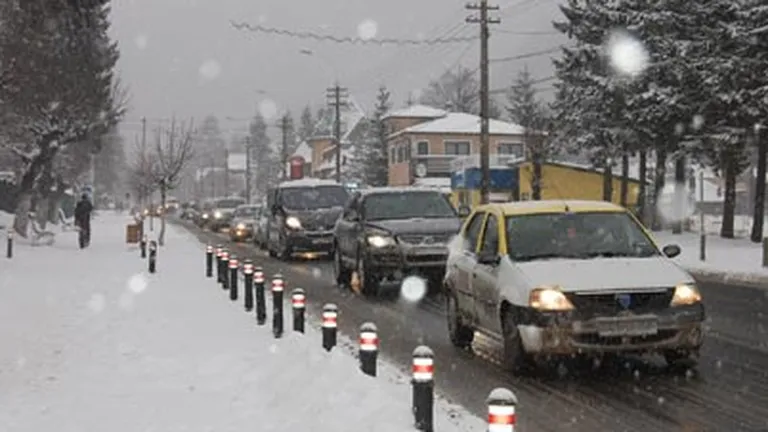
{"x": 576, "y": 235}
{"x": 250, "y": 211}
{"x": 407, "y": 205}
{"x": 313, "y": 197}
{"x": 229, "y": 203}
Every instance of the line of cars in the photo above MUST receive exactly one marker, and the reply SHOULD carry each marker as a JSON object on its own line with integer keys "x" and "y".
{"x": 545, "y": 278}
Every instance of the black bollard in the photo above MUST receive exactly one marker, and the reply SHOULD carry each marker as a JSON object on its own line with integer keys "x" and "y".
{"x": 219, "y": 250}
{"x": 225, "y": 269}
{"x": 143, "y": 246}
{"x": 298, "y": 305}
{"x": 234, "y": 266}
{"x": 9, "y": 245}
{"x": 153, "y": 256}
{"x": 423, "y": 385}
{"x": 248, "y": 284}
{"x": 369, "y": 348}
{"x": 261, "y": 301}
{"x": 330, "y": 325}
{"x": 209, "y": 261}
{"x": 278, "y": 286}
{"x": 502, "y": 404}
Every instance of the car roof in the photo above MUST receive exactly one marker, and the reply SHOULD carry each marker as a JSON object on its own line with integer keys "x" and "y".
{"x": 307, "y": 182}
{"x": 552, "y": 206}
{"x": 249, "y": 206}
{"x": 395, "y": 189}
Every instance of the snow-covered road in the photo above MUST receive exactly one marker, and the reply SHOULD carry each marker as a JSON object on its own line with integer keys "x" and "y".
{"x": 89, "y": 342}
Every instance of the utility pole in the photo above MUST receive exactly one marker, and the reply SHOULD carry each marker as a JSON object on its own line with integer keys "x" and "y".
{"x": 337, "y": 97}
{"x": 285, "y": 127}
{"x": 484, "y": 20}
{"x": 226, "y": 172}
{"x": 143, "y": 149}
{"x": 248, "y": 174}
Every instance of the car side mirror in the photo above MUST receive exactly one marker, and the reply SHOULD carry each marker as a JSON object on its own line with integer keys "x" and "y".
{"x": 488, "y": 258}
{"x": 672, "y": 250}
{"x": 464, "y": 211}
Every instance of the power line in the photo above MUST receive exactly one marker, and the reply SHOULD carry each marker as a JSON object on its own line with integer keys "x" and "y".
{"x": 526, "y": 55}
{"x": 529, "y": 33}
{"x": 347, "y": 40}
{"x": 533, "y": 82}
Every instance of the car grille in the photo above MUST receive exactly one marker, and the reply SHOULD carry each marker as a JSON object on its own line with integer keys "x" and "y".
{"x": 590, "y": 305}
{"x": 317, "y": 226}
{"x": 426, "y": 239}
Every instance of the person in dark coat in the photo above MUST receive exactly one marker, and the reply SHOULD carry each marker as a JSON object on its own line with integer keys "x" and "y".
{"x": 83, "y": 211}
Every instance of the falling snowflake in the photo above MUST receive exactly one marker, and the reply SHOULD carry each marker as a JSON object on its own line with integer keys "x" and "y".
{"x": 268, "y": 109}
{"x": 413, "y": 289}
{"x": 626, "y": 54}
{"x": 138, "y": 283}
{"x": 210, "y": 70}
{"x": 367, "y": 29}
{"x": 141, "y": 41}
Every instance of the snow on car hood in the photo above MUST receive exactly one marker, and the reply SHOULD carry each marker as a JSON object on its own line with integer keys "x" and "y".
{"x": 604, "y": 273}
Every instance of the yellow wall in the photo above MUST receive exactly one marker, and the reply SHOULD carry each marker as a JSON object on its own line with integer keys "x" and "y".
{"x": 560, "y": 182}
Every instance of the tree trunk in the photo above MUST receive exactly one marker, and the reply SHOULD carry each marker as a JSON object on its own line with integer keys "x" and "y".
{"x": 624, "y": 189}
{"x": 680, "y": 197}
{"x": 659, "y": 181}
{"x": 642, "y": 190}
{"x": 607, "y": 182}
{"x": 758, "y": 216}
{"x": 163, "y": 195}
{"x": 729, "y": 203}
{"x": 536, "y": 177}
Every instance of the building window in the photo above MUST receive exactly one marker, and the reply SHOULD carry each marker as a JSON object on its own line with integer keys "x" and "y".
{"x": 400, "y": 154}
{"x": 392, "y": 153}
{"x": 457, "y": 147}
{"x": 422, "y": 148}
{"x": 513, "y": 149}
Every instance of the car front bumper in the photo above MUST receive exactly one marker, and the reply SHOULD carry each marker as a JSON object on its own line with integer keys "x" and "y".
{"x": 675, "y": 328}
{"x": 396, "y": 261}
{"x": 310, "y": 241}
{"x": 240, "y": 234}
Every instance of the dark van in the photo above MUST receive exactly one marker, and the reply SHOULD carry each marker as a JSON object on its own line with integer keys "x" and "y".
{"x": 303, "y": 215}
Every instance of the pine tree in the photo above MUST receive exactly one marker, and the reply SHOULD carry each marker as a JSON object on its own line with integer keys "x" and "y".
{"x": 370, "y": 155}
{"x": 528, "y": 111}
{"x": 264, "y": 157}
{"x": 755, "y": 18}
{"x": 307, "y": 124}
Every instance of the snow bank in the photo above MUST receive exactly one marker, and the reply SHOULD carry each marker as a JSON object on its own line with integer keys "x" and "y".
{"x": 90, "y": 343}
{"x": 731, "y": 260}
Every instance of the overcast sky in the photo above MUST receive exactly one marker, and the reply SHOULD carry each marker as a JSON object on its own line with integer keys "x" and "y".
{"x": 183, "y": 58}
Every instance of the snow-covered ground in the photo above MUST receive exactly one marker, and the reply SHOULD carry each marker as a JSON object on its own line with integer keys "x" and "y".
{"x": 738, "y": 260}
{"x": 90, "y": 342}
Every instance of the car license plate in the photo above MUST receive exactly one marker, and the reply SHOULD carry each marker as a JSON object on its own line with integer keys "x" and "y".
{"x": 635, "y": 326}
{"x": 431, "y": 251}
{"x": 321, "y": 241}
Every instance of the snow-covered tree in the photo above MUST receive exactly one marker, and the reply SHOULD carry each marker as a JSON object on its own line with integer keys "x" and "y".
{"x": 264, "y": 156}
{"x": 306, "y": 124}
{"x": 57, "y": 86}
{"x": 525, "y": 109}
{"x": 370, "y": 155}
{"x": 455, "y": 90}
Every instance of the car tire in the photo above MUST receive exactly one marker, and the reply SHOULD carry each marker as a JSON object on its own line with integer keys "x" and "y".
{"x": 369, "y": 283}
{"x": 284, "y": 252}
{"x": 514, "y": 357}
{"x": 343, "y": 275}
{"x": 461, "y": 335}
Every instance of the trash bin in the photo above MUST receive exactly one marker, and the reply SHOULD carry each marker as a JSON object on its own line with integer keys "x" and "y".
{"x": 132, "y": 233}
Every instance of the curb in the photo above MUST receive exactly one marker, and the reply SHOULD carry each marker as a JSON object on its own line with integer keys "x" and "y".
{"x": 749, "y": 280}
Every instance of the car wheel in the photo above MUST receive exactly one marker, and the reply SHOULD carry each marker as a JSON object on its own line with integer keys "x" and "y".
{"x": 369, "y": 282}
{"x": 515, "y": 359}
{"x": 342, "y": 274}
{"x": 461, "y": 335}
{"x": 284, "y": 252}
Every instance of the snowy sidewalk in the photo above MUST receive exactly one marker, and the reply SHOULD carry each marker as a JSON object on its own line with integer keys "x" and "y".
{"x": 90, "y": 342}
{"x": 727, "y": 260}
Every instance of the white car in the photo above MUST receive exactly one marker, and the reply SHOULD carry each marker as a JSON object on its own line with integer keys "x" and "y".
{"x": 561, "y": 278}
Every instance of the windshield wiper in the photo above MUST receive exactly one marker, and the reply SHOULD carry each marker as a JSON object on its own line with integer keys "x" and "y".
{"x": 541, "y": 256}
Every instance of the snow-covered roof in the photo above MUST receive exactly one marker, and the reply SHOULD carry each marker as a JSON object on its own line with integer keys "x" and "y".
{"x": 463, "y": 123}
{"x": 417, "y": 111}
{"x": 304, "y": 150}
{"x": 351, "y": 115}
{"x": 307, "y": 182}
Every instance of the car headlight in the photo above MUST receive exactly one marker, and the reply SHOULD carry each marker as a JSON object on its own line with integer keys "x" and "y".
{"x": 686, "y": 294}
{"x": 241, "y": 226}
{"x": 205, "y": 215}
{"x": 549, "y": 299}
{"x": 293, "y": 222}
{"x": 380, "y": 241}
{"x": 218, "y": 215}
